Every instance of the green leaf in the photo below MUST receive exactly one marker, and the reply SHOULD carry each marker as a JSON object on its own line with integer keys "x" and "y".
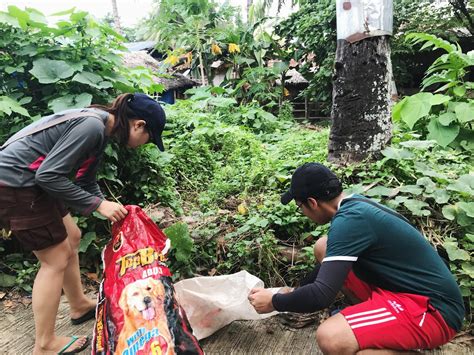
{"x": 223, "y": 102}
{"x": 412, "y": 189}
{"x": 397, "y": 109}
{"x": 37, "y": 18}
{"x": 77, "y": 66}
{"x": 430, "y": 40}
{"x": 416, "y": 207}
{"x": 467, "y": 207}
{"x": 470, "y": 237}
{"x": 78, "y": 16}
{"x": 465, "y": 112}
{"x": 70, "y": 102}
{"x": 468, "y": 268}
{"x": 86, "y": 241}
{"x": 427, "y": 183}
{"x": 466, "y": 292}
{"x": 454, "y": 252}
{"x": 21, "y": 16}
{"x": 463, "y": 219}
{"x": 459, "y": 91}
{"x": 261, "y": 222}
{"x": 25, "y": 100}
{"x": 354, "y": 189}
{"x": 280, "y": 67}
{"x": 443, "y": 135}
{"x": 397, "y": 154}
{"x": 7, "y": 280}
{"x": 49, "y": 71}
{"x": 99, "y": 216}
{"x": 379, "y": 191}
{"x": 9, "y": 105}
{"x": 181, "y": 242}
{"x": 463, "y": 185}
{"x": 450, "y": 212}
{"x": 466, "y": 139}
{"x": 446, "y": 118}
{"x": 427, "y": 171}
{"x": 65, "y": 12}
{"x": 439, "y": 99}
{"x": 416, "y": 107}
{"x": 6, "y": 18}
{"x": 10, "y": 70}
{"x": 92, "y": 79}
{"x": 441, "y": 196}
{"x": 422, "y": 145}
{"x": 283, "y": 178}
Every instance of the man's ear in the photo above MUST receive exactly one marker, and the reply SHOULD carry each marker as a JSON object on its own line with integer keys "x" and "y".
{"x": 312, "y": 203}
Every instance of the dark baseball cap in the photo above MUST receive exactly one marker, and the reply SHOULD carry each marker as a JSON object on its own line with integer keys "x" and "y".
{"x": 152, "y": 113}
{"x": 312, "y": 180}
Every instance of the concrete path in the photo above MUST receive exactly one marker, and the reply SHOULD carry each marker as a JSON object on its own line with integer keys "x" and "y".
{"x": 243, "y": 337}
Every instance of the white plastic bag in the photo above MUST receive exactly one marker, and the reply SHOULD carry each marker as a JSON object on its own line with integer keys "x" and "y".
{"x": 212, "y": 302}
{"x": 358, "y": 19}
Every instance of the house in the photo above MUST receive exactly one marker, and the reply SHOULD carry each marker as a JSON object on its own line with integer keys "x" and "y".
{"x": 147, "y": 46}
{"x": 303, "y": 108}
{"x": 175, "y": 84}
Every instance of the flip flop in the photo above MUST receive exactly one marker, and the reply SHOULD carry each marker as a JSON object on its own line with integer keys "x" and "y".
{"x": 84, "y": 318}
{"x": 74, "y": 351}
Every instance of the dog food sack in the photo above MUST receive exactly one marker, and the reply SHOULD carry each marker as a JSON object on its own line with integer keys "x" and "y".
{"x": 137, "y": 312}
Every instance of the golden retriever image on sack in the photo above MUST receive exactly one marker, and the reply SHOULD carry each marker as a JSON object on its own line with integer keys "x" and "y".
{"x": 144, "y": 315}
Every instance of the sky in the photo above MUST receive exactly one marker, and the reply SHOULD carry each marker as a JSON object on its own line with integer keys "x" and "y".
{"x": 130, "y": 11}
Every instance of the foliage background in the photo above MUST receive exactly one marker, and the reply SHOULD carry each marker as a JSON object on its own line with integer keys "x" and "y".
{"x": 313, "y": 30}
{"x": 227, "y": 163}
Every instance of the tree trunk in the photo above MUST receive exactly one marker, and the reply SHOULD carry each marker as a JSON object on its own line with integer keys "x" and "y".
{"x": 118, "y": 28}
{"x": 201, "y": 69}
{"x": 361, "y": 120}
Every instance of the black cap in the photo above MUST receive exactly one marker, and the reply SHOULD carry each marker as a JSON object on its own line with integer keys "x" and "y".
{"x": 152, "y": 113}
{"x": 312, "y": 180}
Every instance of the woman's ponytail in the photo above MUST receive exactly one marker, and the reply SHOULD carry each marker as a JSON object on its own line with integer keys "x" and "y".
{"x": 123, "y": 114}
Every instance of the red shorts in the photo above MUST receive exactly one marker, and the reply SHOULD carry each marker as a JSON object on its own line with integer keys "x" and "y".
{"x": 392, "y": 320}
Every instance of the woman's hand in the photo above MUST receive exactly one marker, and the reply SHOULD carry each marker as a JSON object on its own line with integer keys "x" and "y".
{"x": 113, "y": 211}
{"x": 261, "y": 300}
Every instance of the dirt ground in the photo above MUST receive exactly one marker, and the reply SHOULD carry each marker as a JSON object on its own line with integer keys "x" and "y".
{"x": 269, "y": 336}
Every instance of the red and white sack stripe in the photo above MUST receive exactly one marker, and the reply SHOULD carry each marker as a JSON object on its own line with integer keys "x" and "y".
{"x": 367, "y": 318}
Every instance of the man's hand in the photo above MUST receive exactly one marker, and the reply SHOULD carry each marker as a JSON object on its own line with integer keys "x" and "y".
{"x": 113, "y": 211}
{"x": 261, "y": 300}
{"x": 286, "y": 289}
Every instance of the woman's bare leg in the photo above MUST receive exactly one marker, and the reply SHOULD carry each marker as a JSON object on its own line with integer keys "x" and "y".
{"x": 78, "y": 301}
{"x": 46, "y": 295}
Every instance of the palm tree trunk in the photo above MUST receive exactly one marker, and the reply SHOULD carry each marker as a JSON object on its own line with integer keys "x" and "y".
{"x": 361, "y": 119}
{"x": 118, "y": 28}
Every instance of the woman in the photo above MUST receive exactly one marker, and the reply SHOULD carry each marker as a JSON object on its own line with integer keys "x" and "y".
{"x": 35, "y": 185}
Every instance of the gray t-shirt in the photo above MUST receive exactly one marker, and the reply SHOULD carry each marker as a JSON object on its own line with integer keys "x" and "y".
{"x": 62, "y": 160}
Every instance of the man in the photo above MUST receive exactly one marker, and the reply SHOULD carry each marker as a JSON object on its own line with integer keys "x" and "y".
{"x": 408, "y": 299}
